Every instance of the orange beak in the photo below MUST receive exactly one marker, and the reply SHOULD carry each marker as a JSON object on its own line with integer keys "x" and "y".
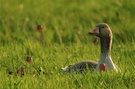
{"x": 95, "y": 31}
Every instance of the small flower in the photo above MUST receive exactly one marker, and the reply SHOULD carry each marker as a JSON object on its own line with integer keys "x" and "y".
{"x": 22, "y": 71}
{"x": 39, "y": 27}
{"x": 28, "y": 59}
{"x": 102, "y": 67}
{"x": 95, "y": 40}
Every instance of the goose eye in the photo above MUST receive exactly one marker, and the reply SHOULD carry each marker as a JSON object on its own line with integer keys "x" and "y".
{"x": 103, "y": 27}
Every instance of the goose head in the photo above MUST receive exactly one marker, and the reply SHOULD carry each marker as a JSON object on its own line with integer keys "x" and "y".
{"x": 101, "y": 30}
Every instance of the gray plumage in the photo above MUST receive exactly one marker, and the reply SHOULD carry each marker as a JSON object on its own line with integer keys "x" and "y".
{"x": 82, "y": 66}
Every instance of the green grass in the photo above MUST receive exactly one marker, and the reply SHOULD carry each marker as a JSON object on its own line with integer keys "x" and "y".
{"x": 64, "y": 41}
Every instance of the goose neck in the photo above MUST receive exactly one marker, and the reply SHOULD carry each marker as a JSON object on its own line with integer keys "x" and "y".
{"x": 106, "y": 44}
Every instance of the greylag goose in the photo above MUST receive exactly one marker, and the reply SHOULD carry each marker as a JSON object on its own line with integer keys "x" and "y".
{"x": 103, "y": 31}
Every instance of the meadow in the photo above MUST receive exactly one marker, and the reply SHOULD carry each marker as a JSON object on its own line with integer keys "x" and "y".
{"x": 62, "y": 39}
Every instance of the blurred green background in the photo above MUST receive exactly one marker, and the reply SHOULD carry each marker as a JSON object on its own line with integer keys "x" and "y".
{"x": 64, "y": 21}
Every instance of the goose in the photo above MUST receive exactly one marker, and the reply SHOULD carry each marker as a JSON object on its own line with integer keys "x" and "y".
{"x": 105, "y": 62}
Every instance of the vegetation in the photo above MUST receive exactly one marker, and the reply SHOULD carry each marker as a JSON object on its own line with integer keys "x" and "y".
{"x": 61, "y": 39}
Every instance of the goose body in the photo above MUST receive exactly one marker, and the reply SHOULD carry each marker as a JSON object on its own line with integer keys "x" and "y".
{"x": 103, "y": 31}
{"x": 81, "y": 66}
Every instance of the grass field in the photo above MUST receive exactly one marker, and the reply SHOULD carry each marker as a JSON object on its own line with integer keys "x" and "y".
{"x": 62, "y": 41}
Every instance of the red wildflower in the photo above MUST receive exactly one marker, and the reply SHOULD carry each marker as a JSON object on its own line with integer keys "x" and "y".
{"x": 95, "y": 40}
{"x": 102, "y": 67}
{"x": 39, "y": 27}
{"x": 21, "y": 71}
{"x": 28, "y": 59}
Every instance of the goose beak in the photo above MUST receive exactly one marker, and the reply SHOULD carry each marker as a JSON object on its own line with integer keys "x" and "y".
{"x": 95, "y": 31}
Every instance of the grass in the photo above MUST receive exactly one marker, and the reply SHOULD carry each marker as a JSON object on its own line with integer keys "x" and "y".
{"x": 64, "y": 41}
